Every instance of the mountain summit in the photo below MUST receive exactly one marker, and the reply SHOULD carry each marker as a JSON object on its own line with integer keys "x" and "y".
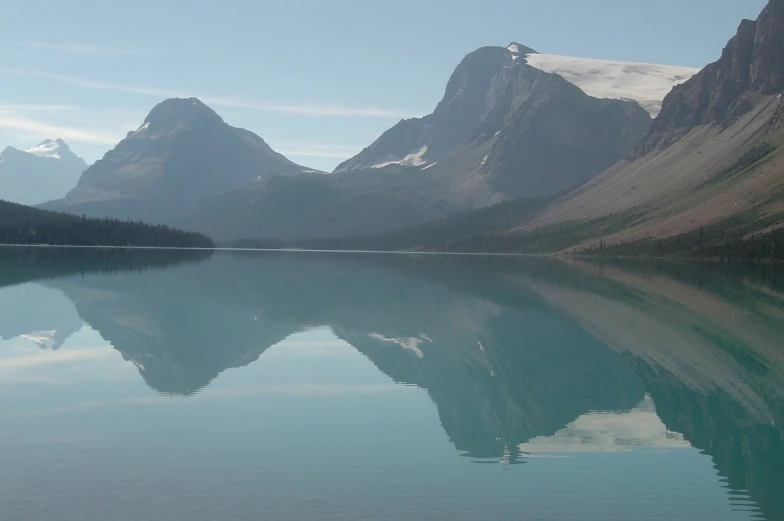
{"x": 183, "y": 152}
{"x": 177, "y": 114}
{"x": 505, "y": 129}
{"x": 39, "y": 174}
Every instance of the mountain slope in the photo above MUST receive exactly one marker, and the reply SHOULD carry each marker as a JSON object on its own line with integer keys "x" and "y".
{"x": 182, "y": 153}
{"x": 503, "y": 130}
{"x": 711, "y": 167}
{"x": 713, "y": 154}
{"x": 506, "y": 129}
{"x": 39, "y": 174}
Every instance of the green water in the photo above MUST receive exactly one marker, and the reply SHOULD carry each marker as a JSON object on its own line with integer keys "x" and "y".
{"x": 168, "y": 386}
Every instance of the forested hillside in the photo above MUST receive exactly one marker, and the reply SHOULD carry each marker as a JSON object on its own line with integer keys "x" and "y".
{"x": 24, "y": 225}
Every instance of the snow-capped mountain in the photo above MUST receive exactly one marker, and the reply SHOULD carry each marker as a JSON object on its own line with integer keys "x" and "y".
{"x": 39, "y": 174}
{"x": 645, "y": 83}
{"x": 52, "y": 148}
{"x": 506, "y": 129}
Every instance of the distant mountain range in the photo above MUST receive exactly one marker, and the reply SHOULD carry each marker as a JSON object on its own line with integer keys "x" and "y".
{"x": 504, "y": 129}
{"x": 707, "y": 179}
{"x": 514, "y": 126}
{"x": 39, "y": 174}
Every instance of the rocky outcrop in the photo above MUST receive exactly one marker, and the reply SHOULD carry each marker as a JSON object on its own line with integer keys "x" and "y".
{"x": 751, "y": 65}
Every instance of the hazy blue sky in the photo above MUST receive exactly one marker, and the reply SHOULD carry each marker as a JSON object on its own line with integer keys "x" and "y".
{"x": 318, "y": 79}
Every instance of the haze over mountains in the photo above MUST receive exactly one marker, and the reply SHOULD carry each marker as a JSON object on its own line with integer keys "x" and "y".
{"x": 503, "y": 130}
{"x": 513, "y": 124}
{"x": 39, "y": 174}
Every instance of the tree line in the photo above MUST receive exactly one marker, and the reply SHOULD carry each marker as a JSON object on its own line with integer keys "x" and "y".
{"x": 24, "y": 225}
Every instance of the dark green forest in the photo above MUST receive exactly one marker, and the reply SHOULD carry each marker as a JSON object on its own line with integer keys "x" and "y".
{"x": 707, "y": 244}
{"x": 24, "y": 225}
{"x": 19, "y": 265}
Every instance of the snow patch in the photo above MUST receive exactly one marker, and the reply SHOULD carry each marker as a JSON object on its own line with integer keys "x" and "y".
{"x": 609, "y": 432}
{"x": 49, "y": 148}
{"x": 514, "y": 49}
{"x": 645, "y": 83}
{"x": 407, "y": 343}
{"x": 145, "y": 126}
{"x": 44, "y": 339}
{"x": 485, "y": 159}
{"x": 414, "y": 159}
{"x": 431, "y": 165}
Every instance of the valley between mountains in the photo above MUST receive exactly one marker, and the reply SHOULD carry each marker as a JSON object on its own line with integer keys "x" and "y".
{"x": 526, "y": 152}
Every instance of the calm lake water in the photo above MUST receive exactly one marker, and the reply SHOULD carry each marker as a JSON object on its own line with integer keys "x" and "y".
{"x": 163, "y": 386}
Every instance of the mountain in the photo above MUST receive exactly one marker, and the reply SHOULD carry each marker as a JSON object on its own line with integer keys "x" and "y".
{"x": 36, "y": 175}
{"x": 37, "y": 314}
{"x": 503, "y": 130}
{"x": 751, "y": 66}
{"x": 182, "y": 153}
{"x": 506, "y": 129}
{"x": 707, "y": 179}
{"x": 713, "y": 156}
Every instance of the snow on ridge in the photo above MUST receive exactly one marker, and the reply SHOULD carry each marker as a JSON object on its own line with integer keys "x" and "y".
{"x": 49, "y": 148}
{"x": 408, "y": 343}
{"x": 413, "y": 159}
{"x": 44, "y": 339}
{"x": 646, "y": 83}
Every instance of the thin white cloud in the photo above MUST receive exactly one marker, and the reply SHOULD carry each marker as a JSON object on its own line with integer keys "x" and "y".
{"x": 83, "y": 49}
{"x": 304, "y": 109}
{"x": 44, "y": 130}
{"x": 5, "y": 107}
{"x": 43, "y": 358}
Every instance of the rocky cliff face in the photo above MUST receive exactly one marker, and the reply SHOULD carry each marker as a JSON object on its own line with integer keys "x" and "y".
{"x": 472, "y": 92}
{"x": 751, "y": 65}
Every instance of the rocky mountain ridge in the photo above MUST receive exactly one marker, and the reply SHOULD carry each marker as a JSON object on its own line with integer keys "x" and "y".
{"x": 751, "y": 65}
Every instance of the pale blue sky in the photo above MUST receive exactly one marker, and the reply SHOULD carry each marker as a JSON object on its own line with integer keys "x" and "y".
{"x": 317, "y": 79}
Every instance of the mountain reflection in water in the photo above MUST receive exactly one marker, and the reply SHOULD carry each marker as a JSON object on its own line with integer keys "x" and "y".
{"x": 522, "y": 358}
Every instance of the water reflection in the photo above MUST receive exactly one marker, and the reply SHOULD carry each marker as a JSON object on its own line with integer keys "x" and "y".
{"x": 523, "y": 359}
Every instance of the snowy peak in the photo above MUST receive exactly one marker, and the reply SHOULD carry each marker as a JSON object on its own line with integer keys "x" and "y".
{"x": 519, "y": 50}
{"x": 645, "y": 83}
{"x": 39, "y": 174}
{"x": 51, "y": 148}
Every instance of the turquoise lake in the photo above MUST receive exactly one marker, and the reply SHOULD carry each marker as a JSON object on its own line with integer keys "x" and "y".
{"x": 168, "y": 386}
